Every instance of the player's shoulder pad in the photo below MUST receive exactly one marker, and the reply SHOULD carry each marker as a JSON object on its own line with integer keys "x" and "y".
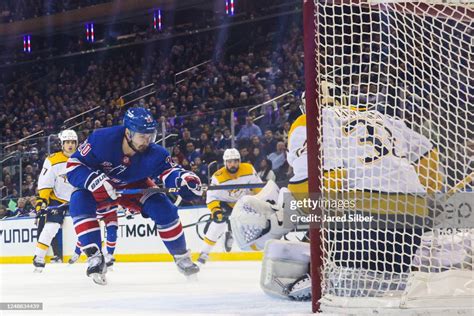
{"x": 57, "y": 157}
{"x": 245, "y": 169}
{"x": 219, "y": 173}
{"x": 300, "y": 121}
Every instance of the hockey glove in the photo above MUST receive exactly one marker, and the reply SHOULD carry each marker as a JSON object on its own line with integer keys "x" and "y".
{"x": 189, "y": 185}
{"x": 217, "y": 216}
{"x": 40, "y": 207}
{"x": 101, "y": 187}
{"x": 220, "y": 215}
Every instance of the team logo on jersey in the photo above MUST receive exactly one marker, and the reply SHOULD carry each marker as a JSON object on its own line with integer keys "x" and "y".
{"x": 149, "y": 119}
{"x": 171, "y": 162}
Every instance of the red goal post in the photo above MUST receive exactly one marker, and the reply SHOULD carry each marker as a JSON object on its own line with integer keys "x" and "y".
{"x": 420, "y": 55}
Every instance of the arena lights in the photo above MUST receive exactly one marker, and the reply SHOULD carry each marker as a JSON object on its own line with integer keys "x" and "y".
{"x": 27, "y": 43}
{"x": 90, "y": 32}
{"x": 157, "y": 19}
{"x": 229, "y": 7}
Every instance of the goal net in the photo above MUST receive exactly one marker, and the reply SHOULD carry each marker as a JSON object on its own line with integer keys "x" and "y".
{"x": 389, "y": 97}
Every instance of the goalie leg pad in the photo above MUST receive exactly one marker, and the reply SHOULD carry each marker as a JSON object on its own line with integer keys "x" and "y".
{"x": 283, "y": 266}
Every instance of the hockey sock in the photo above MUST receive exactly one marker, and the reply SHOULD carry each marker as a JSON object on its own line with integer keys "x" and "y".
{"x": 88, "y": 232}
{"x": 78, "y": 248}
{"x": 111, "y": 237}
{"x": 173, "y": 237}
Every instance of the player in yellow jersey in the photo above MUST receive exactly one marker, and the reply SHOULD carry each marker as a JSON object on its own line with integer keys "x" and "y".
{"x": 53, "y": 191}
{"x": 221, "y": 202}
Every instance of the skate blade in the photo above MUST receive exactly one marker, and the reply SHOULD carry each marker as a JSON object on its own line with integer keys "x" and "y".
{"x": 38, "y": 270}
{"x": 99, "y": 278}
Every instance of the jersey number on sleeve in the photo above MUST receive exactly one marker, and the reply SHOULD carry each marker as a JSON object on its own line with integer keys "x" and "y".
{"x": 84, "y": 149}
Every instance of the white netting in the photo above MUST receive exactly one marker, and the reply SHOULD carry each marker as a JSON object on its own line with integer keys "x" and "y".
{"x": 396, "y": 82}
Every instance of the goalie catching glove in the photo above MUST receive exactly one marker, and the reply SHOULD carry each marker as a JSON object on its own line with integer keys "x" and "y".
{"x": 189, "y": 186}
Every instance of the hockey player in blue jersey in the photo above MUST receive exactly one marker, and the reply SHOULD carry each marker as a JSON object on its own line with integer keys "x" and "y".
{"x": 122, "y": 157}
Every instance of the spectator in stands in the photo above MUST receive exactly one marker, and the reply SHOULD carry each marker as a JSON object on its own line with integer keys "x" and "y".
{"x": 218, "y": 139}
{"x": 256, "y": 142}
{"x": 29, "y": 186}
{"x": 282, "y": 117}
{"x": 265, "y": 171}
{"x": 200, "y": 169}
{"x": 191, "y": 152}
{"x": 227, "y": 141}
{"x": 3, "y": 212}
{"x": 209, "y": 155}
{"x": 256, "y": 156}
{"x": 282, "y": 133}
{"x": 269, "y": 116}
{"x": 294, "y": 112}
{"x": 185, "y": 138}
{"x": 178, "y": 154}
{"x": 7, "y": 182}
{"x": 203, "y": 141}
{"x": 22, "y": 209}
{"x": 245, "y": 155}
{"x": 249, "y": 129}
{"x": 278, "y": 159}
{"x": 268, "y": 142}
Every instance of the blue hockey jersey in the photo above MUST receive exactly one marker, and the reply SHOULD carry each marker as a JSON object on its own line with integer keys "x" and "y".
{"x": 102, "y": 153}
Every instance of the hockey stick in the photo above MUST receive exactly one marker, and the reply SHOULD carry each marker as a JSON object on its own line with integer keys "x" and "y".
{"x": 185, "y": 226}
{"x": 205, "y": 188}
{"x": 460, "y": 185}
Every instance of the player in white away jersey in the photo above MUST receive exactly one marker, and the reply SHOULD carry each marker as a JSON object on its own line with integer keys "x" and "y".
{"x": 221, "y": 202}
{"x": 53, "y": 190}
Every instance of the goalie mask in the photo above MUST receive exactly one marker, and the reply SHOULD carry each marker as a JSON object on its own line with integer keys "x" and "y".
{"x": 330, "y": 95}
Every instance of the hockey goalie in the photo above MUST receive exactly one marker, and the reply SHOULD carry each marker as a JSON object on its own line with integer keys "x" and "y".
{"x": 368, "y": 156}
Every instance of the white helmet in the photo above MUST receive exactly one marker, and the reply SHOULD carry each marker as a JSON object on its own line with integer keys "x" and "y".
{"x": 231, "y": 154}
{"x": 67, "y": 134}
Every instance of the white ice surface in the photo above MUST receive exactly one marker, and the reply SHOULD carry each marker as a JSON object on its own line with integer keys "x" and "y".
{"x": 143, "y": 289}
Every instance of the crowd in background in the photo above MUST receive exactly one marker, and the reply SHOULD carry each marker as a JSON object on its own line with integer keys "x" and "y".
{"x": 198, "y": 109}
{"x": 241, "y": 72}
